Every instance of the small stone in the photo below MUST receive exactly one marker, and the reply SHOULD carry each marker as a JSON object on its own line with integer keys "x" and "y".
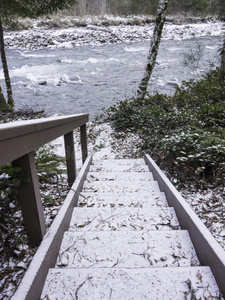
{"x": 164, "y": 258}
{"x": 42, "y": 82}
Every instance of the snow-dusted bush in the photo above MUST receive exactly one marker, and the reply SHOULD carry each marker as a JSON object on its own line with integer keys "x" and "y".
{"x": 185, "y": 132}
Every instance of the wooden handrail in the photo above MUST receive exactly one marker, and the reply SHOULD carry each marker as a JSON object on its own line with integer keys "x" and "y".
{"x": 21, "y": 137}
{"x": 209, "y": 252}
{"x": 18, "y": 140}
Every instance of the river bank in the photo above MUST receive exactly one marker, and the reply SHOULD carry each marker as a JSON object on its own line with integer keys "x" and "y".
{"x": 69, "y": 33}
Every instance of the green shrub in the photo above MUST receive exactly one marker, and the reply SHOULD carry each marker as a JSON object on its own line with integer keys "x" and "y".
{"x": 185, "y": 132}
{"x": 212, "y": 115}
{"x": 10, "y": 179}
{"x": 193, "y": 152}
{"x": 49, "y": 165}
{"x": 208, "y": 90}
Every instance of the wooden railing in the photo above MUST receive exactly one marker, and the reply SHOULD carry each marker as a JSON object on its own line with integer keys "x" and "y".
{"x": 18, "y": 140}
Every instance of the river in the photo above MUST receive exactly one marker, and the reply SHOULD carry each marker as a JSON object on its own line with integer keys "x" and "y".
{"x": 88, "y": 78}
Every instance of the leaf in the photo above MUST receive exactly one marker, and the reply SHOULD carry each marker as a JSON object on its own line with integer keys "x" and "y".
{"x": 17, "y": 169}
{"x": 25, "y": 178}
{"x": 16, "y": 182}
{"x": 50, "y": 199}
{"x": 199, "y": 276}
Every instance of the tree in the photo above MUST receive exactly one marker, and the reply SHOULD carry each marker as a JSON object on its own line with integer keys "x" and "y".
{"x": 10, "y": 9}
{"x": 196, "y": 7}
{"x": 3, "y": 104}
{"x": 153, "y": 52}
{"x": 222, "y": 53}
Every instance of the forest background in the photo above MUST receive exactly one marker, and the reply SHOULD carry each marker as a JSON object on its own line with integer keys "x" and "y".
{"x": 135, "y": 7}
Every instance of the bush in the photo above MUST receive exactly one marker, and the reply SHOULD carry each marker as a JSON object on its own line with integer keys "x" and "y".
{"x": 193, "y": 152}
{"x": 185, "y": 132}
{"x": 208, "y": 90}
{"x": 10, "y": 179}
{"x": 49, "y": 165}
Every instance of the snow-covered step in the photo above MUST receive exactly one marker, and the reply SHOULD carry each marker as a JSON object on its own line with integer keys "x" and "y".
{"x": 119, "y": 168}
{"x": 124, "y": 242}
{"x": 119, "y": 176}
{"x": 121, "y": 186}
{"x": 127, "y": 249}
{"x": 115, "y": 219}
{"x": 138, "y": 200}
{"x": 119, "y": 162}
{"x": 131, "y": 284}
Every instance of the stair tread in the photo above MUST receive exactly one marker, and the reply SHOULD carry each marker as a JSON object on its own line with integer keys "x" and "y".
{"x": 129, "y": 218}
{"x": 119, "y": 162}
{"x": 119, "y": 168}
{"x": 126, "y": 250}
{"x": 142, "y": 200}
{"x": 124, "y": 242}
{"x": 131, "y": 284}
{"x": 121, "y": 186}
{"x": 114, "y": 175}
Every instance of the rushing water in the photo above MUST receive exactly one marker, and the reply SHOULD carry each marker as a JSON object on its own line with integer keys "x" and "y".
{"x": 89, "y": 78}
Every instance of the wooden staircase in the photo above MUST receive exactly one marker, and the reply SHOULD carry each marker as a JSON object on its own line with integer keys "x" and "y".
{"x": 124, "y": 242}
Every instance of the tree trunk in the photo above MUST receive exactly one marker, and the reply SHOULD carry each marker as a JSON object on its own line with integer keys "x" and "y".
{"x": 5, "y": 68}
{"x": 223, "y": 56}
{"x": 159, "y": 23}
{"x": 3, "y": 105}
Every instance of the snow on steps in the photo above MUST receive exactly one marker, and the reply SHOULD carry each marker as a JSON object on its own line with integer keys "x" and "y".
{"x": 118, "y": 176}
{"x": 119, "y": 186}
{"x": 144, "y": 256}
{"x": 120, "y": 165}
{"x": 131, "y": 284}
{"x": 93, "y": 219}
{"x": 127, "y": 249}
{"x": 143, "y": 200}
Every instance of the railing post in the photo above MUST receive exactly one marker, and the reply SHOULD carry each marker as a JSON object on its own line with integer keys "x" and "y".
{"x": 83, "y": 137}
{"x": 30, "y": 200}
{"x": 70, "y": 157}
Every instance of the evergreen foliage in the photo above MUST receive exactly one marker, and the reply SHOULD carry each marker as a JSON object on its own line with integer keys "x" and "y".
{"x": 32, "y": 8}
{"x": 49, "y": 165}
{"x": 184, "y": 133}
{"x": 146, "y": 7}
{"x": 10, "y": 179}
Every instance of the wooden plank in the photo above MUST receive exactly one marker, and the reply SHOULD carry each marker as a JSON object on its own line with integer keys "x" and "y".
{"x": 30, "y": 200}
{"x": 83, "y": 137}
{"x": 70, "y": 157}
{"x": 20, "y": 144}
{"x": 17, "y": 128}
